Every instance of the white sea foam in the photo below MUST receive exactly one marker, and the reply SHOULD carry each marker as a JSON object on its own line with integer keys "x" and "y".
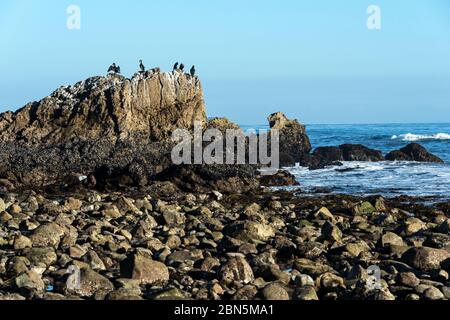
{"x": 385, "y": 178}
{"x": 419, "y": 137}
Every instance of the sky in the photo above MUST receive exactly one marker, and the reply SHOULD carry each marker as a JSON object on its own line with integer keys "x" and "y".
{"x": 315, "y": 60}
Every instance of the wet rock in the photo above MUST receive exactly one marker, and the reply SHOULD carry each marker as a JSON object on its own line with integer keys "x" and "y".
{"x": 413, "y": 152}
{"x": 329, "y": 154}
{"x": 204, "y": 178}
{"x": 280, "y": 179}
{"x": 357, "y": 152}
{"x": 294, "y": 142}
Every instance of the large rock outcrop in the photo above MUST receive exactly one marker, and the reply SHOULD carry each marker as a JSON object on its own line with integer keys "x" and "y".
{"x": 413, "y": 152}
{"x": 150, "y": 106}
{"x": 116, "y": 129}
{"x": 294, "y": 142}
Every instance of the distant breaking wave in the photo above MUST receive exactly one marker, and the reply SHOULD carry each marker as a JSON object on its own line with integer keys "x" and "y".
{"x": 419, "y": 137}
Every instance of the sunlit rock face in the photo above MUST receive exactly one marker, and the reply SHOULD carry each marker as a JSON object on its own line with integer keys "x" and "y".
{"x": 150, "y": 106}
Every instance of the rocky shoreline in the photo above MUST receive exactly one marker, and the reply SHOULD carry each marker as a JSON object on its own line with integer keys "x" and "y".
{"x": 164, "y": 243}
{"x": 87, "y": 184}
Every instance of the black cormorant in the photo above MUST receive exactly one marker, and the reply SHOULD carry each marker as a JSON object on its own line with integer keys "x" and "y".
{"x": 175, "y": 67}
{"x": 141, "y": 66}
{"x": 193, "y": 71}
{"x": 182, "y": 67}
{"x": 112, "y": 68}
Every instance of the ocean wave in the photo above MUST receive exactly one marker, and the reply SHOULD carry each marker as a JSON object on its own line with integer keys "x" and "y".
{"x": 419, "y": 137}
{"x": 380, "y": 178}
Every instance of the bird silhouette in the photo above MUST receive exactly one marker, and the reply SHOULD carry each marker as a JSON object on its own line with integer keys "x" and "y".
{"x": 112, "y": 68}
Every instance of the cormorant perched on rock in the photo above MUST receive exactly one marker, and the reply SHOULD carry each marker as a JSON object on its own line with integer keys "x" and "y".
{"x": 182, "y": 67}
{"x": 112, "y": 68}
{"x": 193, "y": 71}
{"x": 141, "y": 66}
{"x": 175, "y": 67}
{"x": 117, "y": 69}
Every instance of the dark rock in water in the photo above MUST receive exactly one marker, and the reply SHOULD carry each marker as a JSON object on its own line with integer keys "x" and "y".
{"x": 204, "y": 178}
{"x": 280, "y": 179}
{"x": 358, "y": 152}
{"x": 332, "y": 156}
{"x": 413, "y": 152}
{"x": 329, "y": 153}
{"x": 313, "y": 162}
{"x": 323, "y": 157}
{"x": 294, "y": 142}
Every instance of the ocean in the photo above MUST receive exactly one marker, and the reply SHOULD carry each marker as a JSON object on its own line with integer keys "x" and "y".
{"x": 389, "y": 179}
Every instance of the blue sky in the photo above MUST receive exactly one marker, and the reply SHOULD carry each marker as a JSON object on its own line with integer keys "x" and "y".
{"x": 314, "y": 60}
